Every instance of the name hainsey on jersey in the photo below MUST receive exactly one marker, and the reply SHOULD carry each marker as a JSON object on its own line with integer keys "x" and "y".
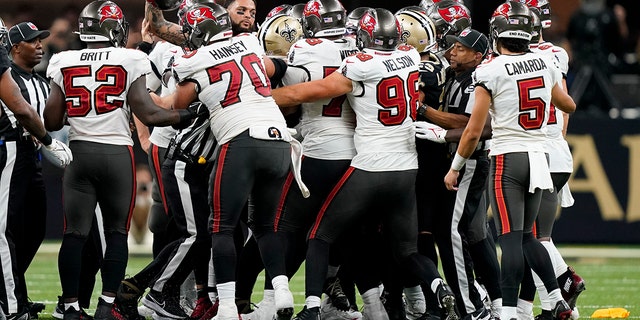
{"x": 231, "y": 81}
{"x": 520, "y": 86}
{"x": 95, "y": 83}
{"x": 327, "y": 125}
{"x": 385, "y": 97}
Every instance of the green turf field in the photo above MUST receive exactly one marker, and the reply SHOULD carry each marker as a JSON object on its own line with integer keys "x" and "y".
{"x": 610, "y": 283}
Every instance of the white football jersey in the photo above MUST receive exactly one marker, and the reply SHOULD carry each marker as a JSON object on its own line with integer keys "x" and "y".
{"x": 385, "y": 97}
{"x": 162, "y": 57}
{"x": 327, "y": 125}
{"x": 520, "y": 87}
{"x": 560, "y": 159}
{"x": 95, "y": 83}
{"x": 231, "y": 81}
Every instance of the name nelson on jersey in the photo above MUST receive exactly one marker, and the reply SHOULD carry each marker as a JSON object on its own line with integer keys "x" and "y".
{"x": 525, "y": 66}
{"x": 223, "y": 52}
{"x": 398, "y": 63}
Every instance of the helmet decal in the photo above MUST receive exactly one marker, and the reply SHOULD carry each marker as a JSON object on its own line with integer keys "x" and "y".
{"x": 110, "y": 11}
{"x": 312, "y": 9}
{"x": 453, "y": 13}
{"x": 368, "y": 23}
{"x": 502, "y": 10}
{"x": 200, "y": 14}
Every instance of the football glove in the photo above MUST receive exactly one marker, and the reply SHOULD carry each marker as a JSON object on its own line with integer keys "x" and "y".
{"x": 57, "y": 153}
{"x": 429, "y": 131}
{"x": 193, "y": 111}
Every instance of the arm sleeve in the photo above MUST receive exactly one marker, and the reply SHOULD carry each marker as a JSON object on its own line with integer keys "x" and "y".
{"x": 5, "y": 64}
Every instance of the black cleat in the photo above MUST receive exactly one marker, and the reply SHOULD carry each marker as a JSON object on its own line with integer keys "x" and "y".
{"x": 447, "y": 302}
{"x": 561, "y": 311}
{"x": 308, "y": 314}
{"x": 333, "y": 289}
{"x": 164, "y": 306}
{"x": 572, "y": 287}
{"x": 125, "y": 306}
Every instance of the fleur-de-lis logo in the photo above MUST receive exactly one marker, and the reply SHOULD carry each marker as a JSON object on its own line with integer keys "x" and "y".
{"x": 110, "y": 12}
{"x": 289, "y": 34}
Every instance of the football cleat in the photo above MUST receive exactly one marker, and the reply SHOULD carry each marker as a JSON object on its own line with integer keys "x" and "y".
{"x": 333, "y": 289}
{"x": 447, "y": 302}
{"x": 308, "y": 314}
{"x": 572, "y": 287}
{"x": 211, "y": 312}
{"x": 202, "y": 306}
{"x": 561, "y": 311}
{"x": 103, "y": 310}
{"x": 126, "y": 303}
{"x": 164, "y": 306}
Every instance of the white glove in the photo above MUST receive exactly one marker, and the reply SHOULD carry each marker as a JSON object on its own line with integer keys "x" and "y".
{"x": 429, "y": 131}
{"x": 57, "y": 153}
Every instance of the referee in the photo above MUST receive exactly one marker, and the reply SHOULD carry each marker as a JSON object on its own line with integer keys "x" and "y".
{"x": 26, "y": 203}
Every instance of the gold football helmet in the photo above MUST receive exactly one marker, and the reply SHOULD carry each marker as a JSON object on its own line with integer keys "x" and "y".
{"x": 278, "y": 33}
{"x": 417, "y": 29}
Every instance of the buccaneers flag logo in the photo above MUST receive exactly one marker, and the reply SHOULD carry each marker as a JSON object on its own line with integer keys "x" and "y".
{"x": 312, "y": 9}
{"x": 198, "y": 15}
{"x": 502, "y": 10}
{"x": 368, "y": 23}
{"x": 453, "y": 13}
{"x": 110, "y": 12}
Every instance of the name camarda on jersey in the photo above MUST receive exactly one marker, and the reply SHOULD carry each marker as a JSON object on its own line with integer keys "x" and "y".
{"x": 398, "y": 63}
{"x": 227, "y": 51}
{"x": 526, "y": 66}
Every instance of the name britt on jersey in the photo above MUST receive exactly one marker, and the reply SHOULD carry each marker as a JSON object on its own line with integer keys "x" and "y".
{"x": 398, "y": 63}
{"x": 94, "y": 56}
{"x": 526, "y": 66}
{"x": 223, "y": 52}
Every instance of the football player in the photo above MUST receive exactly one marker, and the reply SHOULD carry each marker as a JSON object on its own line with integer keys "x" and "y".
{"x": 561, "y": 166}
{"x": 96, "y": 90}
{"x": 519, "y": 172}
{"x": 381, "y": 84}
{"x": 327, "y": 128}
{"x": 227, "y": 74}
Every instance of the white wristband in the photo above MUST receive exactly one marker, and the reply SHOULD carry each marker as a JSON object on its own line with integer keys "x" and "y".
{"x": 458, "y": 162}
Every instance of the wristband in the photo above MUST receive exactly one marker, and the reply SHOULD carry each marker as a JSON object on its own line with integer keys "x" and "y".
{"x": 458, "y": 162}
{"x": 422, "y": 110}
{"x": 46, "y": 140}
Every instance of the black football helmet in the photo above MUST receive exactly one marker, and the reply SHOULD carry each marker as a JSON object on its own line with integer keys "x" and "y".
{"x": 3, "y": 33}
{"x": 544, "y": 10}
{"x": 281, "y": 9}
{"x": 537, "y": 25}
{"x": 353, "y": 18}
{"x": 166, "y": 5}
{"x": 417, "y": 29}
{"x": 378, "y": 29}
{"x": 297, "y": 11}
{"x": 324, "y": 18}
{"x": 185, "y": 4}
{"x": 103, "y": 21}
{"x": 450, "y": 18}
{"x": 512, "y": 20}
{"x": 205, "y": 24}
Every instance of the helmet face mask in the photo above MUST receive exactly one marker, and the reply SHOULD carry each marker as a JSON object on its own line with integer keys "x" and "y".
{"x": 417, "y": 29}
{"x": 103, "y": 21}
{"x": 205, "y": 24}
{"x": 537, "y": 25}
{"x": 278, "y": 33}
{"x": 324, "y": 18}
{"x": 450, "y": 18}
{"x": 378, "y": 29}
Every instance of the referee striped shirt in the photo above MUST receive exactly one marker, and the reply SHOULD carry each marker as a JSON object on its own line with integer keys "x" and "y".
{"x": 197, "y": 141}
{"x": 35, "y": 89}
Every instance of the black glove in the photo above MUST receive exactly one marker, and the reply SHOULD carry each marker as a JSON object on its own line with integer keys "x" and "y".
{"x": 193, "y": 111}
{"x": 5, "y": 63}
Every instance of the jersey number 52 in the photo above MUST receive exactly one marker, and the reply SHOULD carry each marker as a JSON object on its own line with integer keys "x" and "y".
{"x": 79, "y": 98}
